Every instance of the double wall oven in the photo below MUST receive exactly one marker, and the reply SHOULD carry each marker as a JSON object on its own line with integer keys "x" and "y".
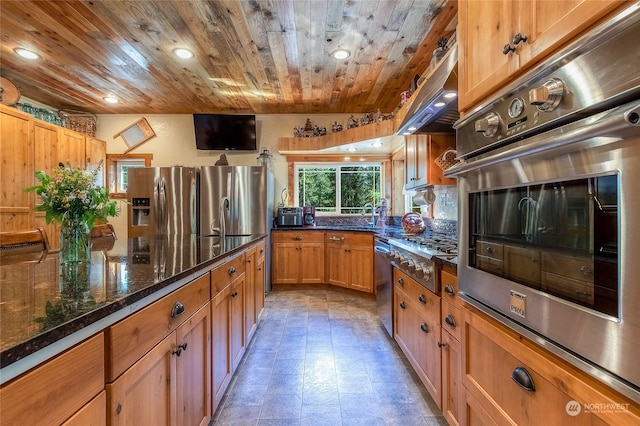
{"x": 549, "y": 196}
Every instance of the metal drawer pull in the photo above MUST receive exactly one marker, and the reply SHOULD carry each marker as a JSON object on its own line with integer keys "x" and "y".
{"x": 400, "y": 281}
{"x": 298, "y": 238}
{"x": 232, "y": 270}
{"x": 182, "y": 347}
{"x": 336, "y": 238}
{"x": 441, "y": 345}
{"x": 424, "y": 327}
{"x": 422, "y": 299}
{"x": 522, "y": 377}
{"x": 177, "y": 309}
{"x": 449, "y": 290}
{"x": 403, "y": 305}
{"x": 261, "y": 250}
{"x": 234, "y": 294}
{"x": 449, "y": 319}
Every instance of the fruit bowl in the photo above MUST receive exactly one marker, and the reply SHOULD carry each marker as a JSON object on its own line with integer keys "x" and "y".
{"x": 412, "y": 223}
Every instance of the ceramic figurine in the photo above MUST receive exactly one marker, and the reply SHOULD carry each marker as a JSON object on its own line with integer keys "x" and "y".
{"x": 352, "y": 122}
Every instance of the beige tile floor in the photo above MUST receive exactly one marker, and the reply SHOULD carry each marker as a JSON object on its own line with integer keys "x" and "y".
{"x": 321, "y": 357}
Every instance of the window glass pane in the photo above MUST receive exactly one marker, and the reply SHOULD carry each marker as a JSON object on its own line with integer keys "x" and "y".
{"x": 317, "y": 187}
{"x": 122, "y": 168}
{"x": 341, "y": 189}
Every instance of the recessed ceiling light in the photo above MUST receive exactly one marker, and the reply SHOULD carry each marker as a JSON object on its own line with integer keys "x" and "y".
{"x": 183, "y": 53}
{"x": 352, "y": 149}
{"x": 26, "y": 53}
{"x": 376, "y": 144}
{"x": 341, "y": 54}
{"x": 450, "y": 95}
{"x": 406, "y": 133}
{"x": 439, "y": 104}
{"x": 110, "y": 100}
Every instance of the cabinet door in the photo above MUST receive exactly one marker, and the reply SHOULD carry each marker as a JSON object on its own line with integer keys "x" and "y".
{"x": 46, "y": 159}
{"x": 93, "y": 413}
{"x": 286, "y": 263}
{"x": 311, "y": 263}
{"x": 236, "y": 325}
{"x": 361, "y": 268}
{"x": 403, "y": 317}
{"x": 410, "y": 153}
{"x": 71, "y": 148}
{"x": 96, "y": 156}
{"x": 16, "y": 173}
{"x": 452, "y": 389}
{"x": 416, "y": 153}
{"x": 260, "y": 282}
{"x": 427, "y": 354}
{"x": 337, "y": 264}
{"x": 220, "y": 314}
{"x": 193, "y": 369}
{"x": 145, "y": 393}
{"x": 250, "y": 321}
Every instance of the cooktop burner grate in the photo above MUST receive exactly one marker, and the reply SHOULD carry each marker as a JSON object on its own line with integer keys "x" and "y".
{"x": 442, "y": 244}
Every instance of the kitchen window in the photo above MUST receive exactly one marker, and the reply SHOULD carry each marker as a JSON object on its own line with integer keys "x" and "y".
{"x": 338, "y": 188}
{"x": 117, "y": 167}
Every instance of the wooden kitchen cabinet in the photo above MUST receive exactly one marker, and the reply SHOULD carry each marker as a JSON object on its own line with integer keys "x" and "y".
{"x": 93, "y": 413}
{"x": 416, "y": 316}
{"x": 421, "y": 151}
{"x": 71, "y": 148}
{"x": 227, "y": 322}
{"x": 54, "y": 391}
{"x": 493, "y": 352}
{"x": 46, "y": 159}
{"x": 16, "y": 173}
{"x": 96, "y": 156}
{"x": 298, "y": 257}
{"x": 452, "y": 389}
{"x": 350, "y": 260}
{"x": 254, "y": 287}
{"x": 485, "y": 27}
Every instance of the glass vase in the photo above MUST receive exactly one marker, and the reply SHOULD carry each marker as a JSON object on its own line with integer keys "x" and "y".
{"x": 75, "y": 243}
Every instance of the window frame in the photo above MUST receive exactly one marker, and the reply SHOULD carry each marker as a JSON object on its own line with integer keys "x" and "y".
{"x": 112, "y": 170}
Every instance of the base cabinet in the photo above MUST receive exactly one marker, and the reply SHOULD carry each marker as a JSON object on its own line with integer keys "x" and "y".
{"x": 298, "y": 257}
{"x": 416, "y": 314}
{"x": 495, "y": 355}
{"x": 170, "y": 384}
{"x": 350, "y": 260}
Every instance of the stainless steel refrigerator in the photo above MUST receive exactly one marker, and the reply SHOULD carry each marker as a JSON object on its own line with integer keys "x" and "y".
{"x": 243, "y": 197}
{"x": 162, "y": 201}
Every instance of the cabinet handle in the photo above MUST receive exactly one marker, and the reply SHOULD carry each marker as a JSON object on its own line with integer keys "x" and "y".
{"x": 234, "y": 294}
{"x": 449, "y": 290}
{"x": 508, "y": 49}
{"x": 422, "y": 299}
{"x": 518, "y": 38}
{"x": 424, "y": 327}
{"x": 403, "y": 305}
{"x": 119, "y": 409}
{"x": 441, "y": 345}
{"x": 178, "y": 351}
{"x": 232, "y": 270}
{"x": 586, "y": 271}
{"x": 522, "y": 377}
{"x": 248, "y": 260}
{"x": 489, "y": 250}
{"x": 259, "y": 269}
{"x": 336, "y": 238}
{"x": 261, "y": 250}
{"x": 400, "y": 281}
{"x": 177, "y": 309}
{"x": 449, "y": 319}
{"x": 298, "y": 238}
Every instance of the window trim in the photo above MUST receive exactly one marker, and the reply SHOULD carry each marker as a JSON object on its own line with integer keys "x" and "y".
{"x": 112, "y": 170}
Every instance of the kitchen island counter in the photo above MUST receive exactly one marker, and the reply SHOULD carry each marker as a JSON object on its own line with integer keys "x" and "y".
{"x": 43, "y": 313}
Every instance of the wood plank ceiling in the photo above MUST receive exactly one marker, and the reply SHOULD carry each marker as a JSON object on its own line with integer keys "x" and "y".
{"x": 251, "y": 56}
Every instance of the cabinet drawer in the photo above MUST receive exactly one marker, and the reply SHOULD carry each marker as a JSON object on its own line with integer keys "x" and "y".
{"x": 350, "y": 238}
{"x": 493, "y": 353}
{"x": 449, "y": 285}
{"x": 92, "y": 414}
{"x": 426, "y": 303}
{"x": 578, "y": 268}
{"x": 297, "y": 236}
{"x": 261, "y": 248}
{"x": 452, "y": 319}
{"x": 54, "y": 391}
{"x": 135, "y": 335}
{"x": 227, "y": 272}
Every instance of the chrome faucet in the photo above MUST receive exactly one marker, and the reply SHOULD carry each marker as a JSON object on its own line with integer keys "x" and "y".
{"x": 373, "y": 213}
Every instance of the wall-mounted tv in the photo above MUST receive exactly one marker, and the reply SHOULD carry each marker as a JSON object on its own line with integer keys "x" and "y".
{"x": 225, "y": 132}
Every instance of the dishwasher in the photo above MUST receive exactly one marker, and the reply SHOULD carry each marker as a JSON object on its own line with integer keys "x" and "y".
{"x": 383, "y": 282}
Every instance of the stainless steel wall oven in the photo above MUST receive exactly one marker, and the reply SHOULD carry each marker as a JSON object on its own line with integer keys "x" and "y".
{"x": 549, "y": 193}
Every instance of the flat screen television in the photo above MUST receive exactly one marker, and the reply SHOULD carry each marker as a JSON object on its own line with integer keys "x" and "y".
{"x": 225, "y": 132}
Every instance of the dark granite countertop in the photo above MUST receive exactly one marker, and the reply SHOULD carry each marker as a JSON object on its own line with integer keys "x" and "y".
{"x": 39, "y": 307}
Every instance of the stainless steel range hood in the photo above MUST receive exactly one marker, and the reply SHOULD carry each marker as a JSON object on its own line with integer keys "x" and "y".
{"x": 433, "y": 107}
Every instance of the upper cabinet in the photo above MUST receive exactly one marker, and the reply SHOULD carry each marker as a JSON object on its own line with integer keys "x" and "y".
{"x": 500, "y": 39}
{"x": 420, "y": 155}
